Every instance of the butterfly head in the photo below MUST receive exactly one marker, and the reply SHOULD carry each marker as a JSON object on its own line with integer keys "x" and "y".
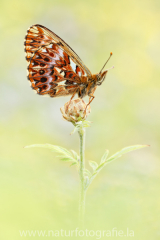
{"x": 101, "y": 75}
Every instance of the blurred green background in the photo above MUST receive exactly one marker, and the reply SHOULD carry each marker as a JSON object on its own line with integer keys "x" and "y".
{"x": 38, "y": 192}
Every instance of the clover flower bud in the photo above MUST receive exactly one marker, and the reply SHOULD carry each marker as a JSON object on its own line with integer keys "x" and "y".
{"x": 75, "y": 110}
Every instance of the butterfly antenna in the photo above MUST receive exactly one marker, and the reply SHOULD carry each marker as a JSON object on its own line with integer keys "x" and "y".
{"x": 106, "y": 62}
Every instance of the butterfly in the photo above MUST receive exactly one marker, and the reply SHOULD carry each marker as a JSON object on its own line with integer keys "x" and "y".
{"x": 55, "y": 69}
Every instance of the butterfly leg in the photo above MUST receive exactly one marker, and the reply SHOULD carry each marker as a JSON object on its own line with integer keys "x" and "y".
{"x": 71, "y": 99}
{"x": 91, "y": 97}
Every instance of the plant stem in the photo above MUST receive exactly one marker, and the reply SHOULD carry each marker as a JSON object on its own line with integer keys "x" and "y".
{"x": 81, "y": 175}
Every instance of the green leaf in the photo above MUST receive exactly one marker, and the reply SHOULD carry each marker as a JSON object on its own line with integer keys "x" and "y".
{"x": 93, "y": 164}
{"x": 104, "y": 157}
{"x": 75, "y": 155}
{"x": 73, "y": 163}
{"x": 100, "y": 167}
{"x": 132, "y": 148}
{"x": 64, "y": 153}
{"x": 67, "y": 159}
{"x": 61, "y": 150}
{"x": 113, "y": 157}
{"x": 125, "y": 150}
{"x": 87, "y": 172}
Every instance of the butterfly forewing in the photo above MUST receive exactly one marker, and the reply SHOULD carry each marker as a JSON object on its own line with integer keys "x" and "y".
{"x": 54, "y": 68}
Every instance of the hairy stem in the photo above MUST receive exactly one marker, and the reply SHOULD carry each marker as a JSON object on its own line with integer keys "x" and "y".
{"x": 81, "y": 175}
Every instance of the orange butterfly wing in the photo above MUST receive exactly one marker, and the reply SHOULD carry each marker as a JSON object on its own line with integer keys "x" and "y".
{"x": 54, "y": 68}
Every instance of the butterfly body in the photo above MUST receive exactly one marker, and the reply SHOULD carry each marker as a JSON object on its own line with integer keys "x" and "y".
{"x": 54, "y": 68}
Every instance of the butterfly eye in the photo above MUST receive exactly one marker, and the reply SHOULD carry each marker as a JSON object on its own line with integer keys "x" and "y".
{"x": 100, "y": 79}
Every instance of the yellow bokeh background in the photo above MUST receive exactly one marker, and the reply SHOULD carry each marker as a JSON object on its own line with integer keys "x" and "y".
{"x": 38, "y": 191}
